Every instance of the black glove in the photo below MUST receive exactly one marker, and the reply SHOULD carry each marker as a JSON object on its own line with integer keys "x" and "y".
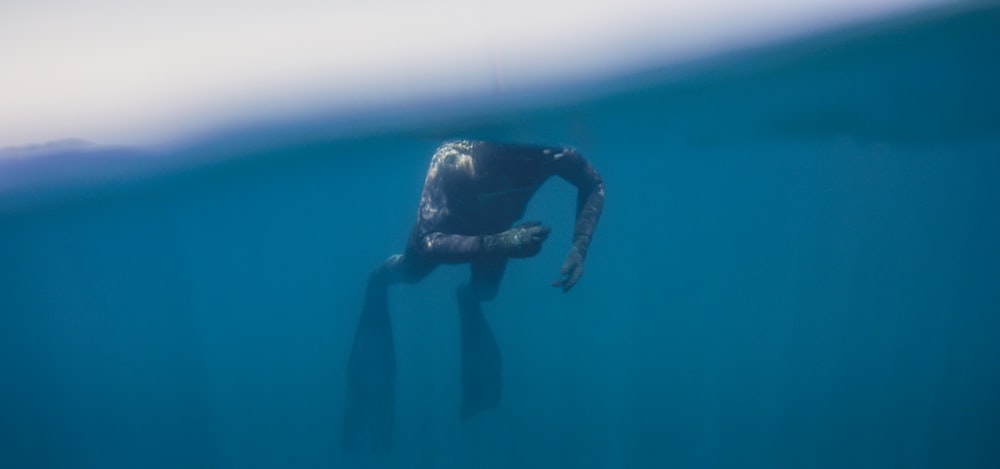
{"x": 524, "y": 240}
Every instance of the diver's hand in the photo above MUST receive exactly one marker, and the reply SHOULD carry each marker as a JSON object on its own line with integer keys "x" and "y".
{"x": 524, "y": 240}
{"x": 571, "y": 271}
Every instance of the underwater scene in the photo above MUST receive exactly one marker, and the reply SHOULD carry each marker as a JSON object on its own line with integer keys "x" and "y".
{"x": 797, "y": 265}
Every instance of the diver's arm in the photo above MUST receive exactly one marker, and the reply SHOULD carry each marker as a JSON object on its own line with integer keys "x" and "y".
{"x": 449, "y": 248}
{"x": 524, "y": 240}
{"x": 589, "y": 205}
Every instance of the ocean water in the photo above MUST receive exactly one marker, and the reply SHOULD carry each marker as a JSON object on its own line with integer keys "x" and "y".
{"x": 798, "y": 266}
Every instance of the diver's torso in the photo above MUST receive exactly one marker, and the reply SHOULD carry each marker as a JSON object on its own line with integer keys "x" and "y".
{"x": 494, "y": 190}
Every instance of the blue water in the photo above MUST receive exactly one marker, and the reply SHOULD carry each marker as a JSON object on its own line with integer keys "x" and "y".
{"x": 798, "y": 266}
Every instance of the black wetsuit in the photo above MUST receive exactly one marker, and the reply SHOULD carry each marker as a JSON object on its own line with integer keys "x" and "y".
{"x": 473, "y": 194}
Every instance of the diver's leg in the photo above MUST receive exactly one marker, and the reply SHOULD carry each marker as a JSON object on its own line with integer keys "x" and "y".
{"x": 371, "y": 368}
{"x": 481, "y": 363}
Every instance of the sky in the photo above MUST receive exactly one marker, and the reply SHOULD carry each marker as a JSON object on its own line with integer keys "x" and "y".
{"x": 121, "y": 72}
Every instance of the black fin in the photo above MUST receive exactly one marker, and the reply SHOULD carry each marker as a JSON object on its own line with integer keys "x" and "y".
{"x": 481, "y": 363}
{"x": 371, "y": 377}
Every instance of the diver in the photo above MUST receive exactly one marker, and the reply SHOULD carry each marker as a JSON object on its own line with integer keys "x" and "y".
{"x": 473, "y": 194}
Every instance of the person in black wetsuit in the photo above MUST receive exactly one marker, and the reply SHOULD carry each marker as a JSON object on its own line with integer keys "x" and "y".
{"x": 474, "y": 193}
